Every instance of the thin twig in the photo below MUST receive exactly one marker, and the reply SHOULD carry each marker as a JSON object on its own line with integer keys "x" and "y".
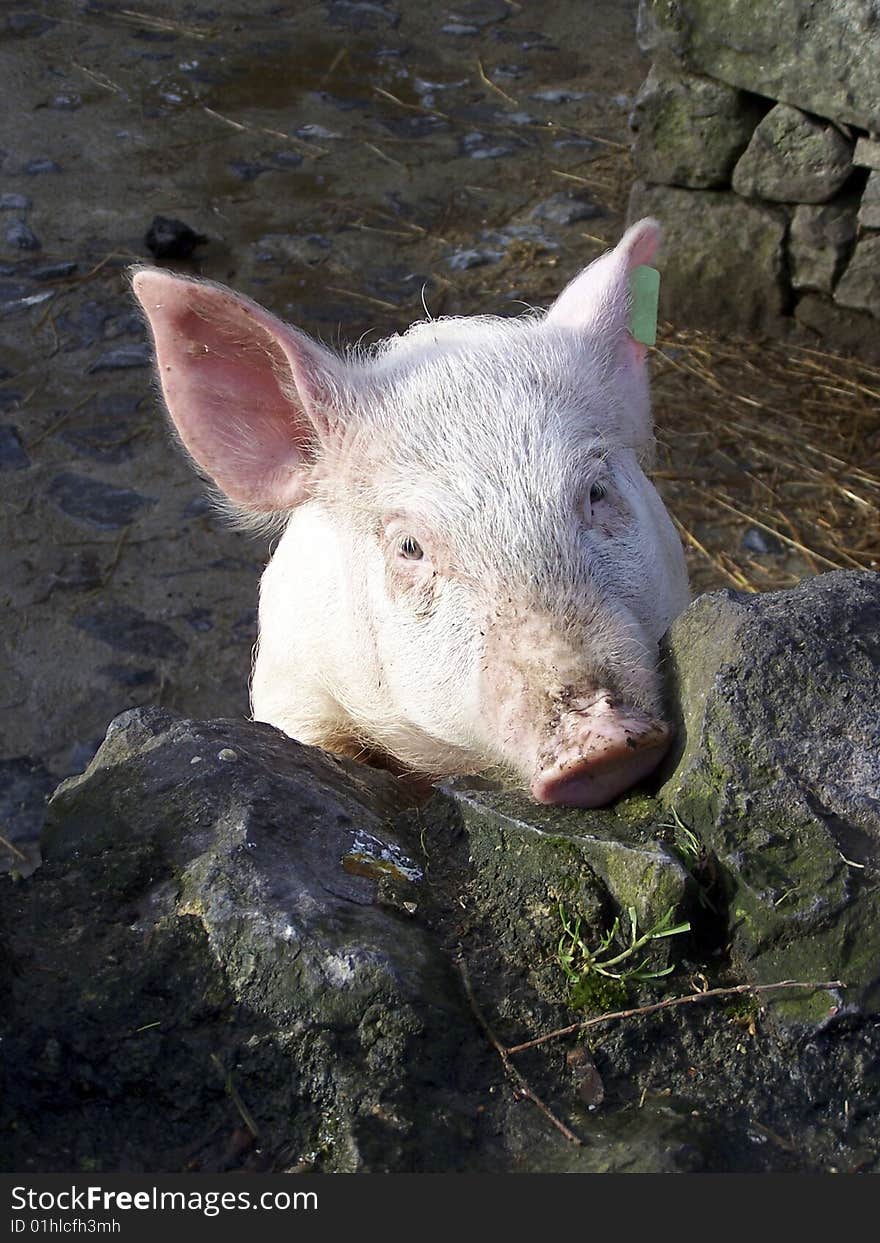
{"x": 13, "y": 849}
{"x": 511, "y": 1071}
{"x": 104, "y": 82}
{"x": 307, "y": 148}
{"x": 492, "y": 85}
{"x": 239, "y": 1104}
{"x": 689, "y": 999}
{"x": 773, "y": 531}
{"x": 362, "y": 297}
{"x": 434, "y": 112}
{"x": 150, "y": 22}
{"x": 389, "y": 159}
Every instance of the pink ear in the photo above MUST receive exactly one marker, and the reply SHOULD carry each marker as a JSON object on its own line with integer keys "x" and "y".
{"x": 598, "y": 300}
{"x": 247, "y": 394}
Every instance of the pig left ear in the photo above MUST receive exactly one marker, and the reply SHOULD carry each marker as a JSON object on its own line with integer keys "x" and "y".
{"x": 598, "y": 302}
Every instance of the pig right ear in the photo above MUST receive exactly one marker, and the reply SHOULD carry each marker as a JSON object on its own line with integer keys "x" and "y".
{"x": 598, "y": 301}
{"x": 251, "y": 398}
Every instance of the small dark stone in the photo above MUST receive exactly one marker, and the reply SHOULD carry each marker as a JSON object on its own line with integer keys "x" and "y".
{"x": 481, "y": 13}
{"x": 54, "y": 271}
{"x": 12, "y": 454}
{"x": 756, "y": 540}
{"x": 513, "y": 72}
{"x": 533, "y": 39}
{"x": 122, "y": 357}
{"x": 100, "y": 504}
{"x": 415, "y": 127}
{"x": 247, "y": 171}
{"x": 200, "y": 620}
{"x": 292, "y": 159}
{"x": 477, "y": 146}
{"x": 565, "y": 209}
{"x": 127, "y": 630}
{"x": 343, "y": 103}
{"x": 128, "y": 324}
{"x": 559, "y": 96}
{"x": 66, "y": 102}
{"x": 309, "y": 132}
{"x": 461, "y": 260}
{"x": 582, "y": 144}
{"x": 361, "y": 15}
{"x": 35, "y": 168}
{"x": 122, "y": 675}
{"x": 587, "y": 1080}
{"x": 14, "y": 202}
{"x": 168, "y": 238}
{"x": 22, "y": 236}
{"x": 81, "y": 324}
{"x": 104, "y": 441}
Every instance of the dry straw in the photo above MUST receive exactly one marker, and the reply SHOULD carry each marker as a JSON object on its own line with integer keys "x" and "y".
{"x": 778, "y": 437}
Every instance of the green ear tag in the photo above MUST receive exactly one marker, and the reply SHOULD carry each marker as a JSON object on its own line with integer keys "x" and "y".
{"x": 645, "y": 285}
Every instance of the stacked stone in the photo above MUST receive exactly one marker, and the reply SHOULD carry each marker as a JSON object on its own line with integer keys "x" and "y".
{"x": 757, "y": 147}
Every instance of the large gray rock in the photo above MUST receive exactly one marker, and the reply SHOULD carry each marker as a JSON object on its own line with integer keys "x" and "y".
{"x": 231, "y": 922}
{"x": 839, "y": 327}
{"x": 690, "y": 130}
{"x": 869, "y": 210}
{"x": 820, "y": 57}
{"x": 723, "y": 259}
{"x": 780, "y": 776}
{"x": 867, "y": 153}
{"x": 533, "y": 860}
{"x": 793, "y": 158}
{"x": 820, "y": 241}
{"x": 859, "y": 287}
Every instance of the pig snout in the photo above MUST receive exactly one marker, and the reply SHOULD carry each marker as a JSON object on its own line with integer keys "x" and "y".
{"x": 597, "y": 752}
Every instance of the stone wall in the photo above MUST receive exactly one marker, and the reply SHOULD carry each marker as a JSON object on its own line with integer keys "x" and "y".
{"x": 757, "y": 144}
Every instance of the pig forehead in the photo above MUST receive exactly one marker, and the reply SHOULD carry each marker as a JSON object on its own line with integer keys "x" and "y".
{"x": 479, "y": 389}
{"x": 510, "y": 499}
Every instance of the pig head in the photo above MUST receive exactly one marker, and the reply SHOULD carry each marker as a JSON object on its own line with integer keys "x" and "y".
{"x": 474, "y": 570}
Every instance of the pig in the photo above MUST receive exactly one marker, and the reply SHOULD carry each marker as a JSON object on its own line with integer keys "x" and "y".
{"x": 474, "y": 571}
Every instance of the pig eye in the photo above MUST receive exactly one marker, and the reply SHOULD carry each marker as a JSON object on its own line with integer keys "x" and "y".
{"x": 410, "y": 549}
{"x": 597, "y": 493}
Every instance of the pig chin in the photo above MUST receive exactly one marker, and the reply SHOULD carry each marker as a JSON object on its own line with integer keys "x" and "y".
{"x": 597, "y": 753}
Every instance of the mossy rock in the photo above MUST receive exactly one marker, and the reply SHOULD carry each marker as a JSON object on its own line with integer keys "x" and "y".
{"x": 779, "y": 774}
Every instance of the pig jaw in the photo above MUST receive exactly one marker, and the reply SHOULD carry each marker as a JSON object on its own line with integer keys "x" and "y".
{"x": 598, "y": 753}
